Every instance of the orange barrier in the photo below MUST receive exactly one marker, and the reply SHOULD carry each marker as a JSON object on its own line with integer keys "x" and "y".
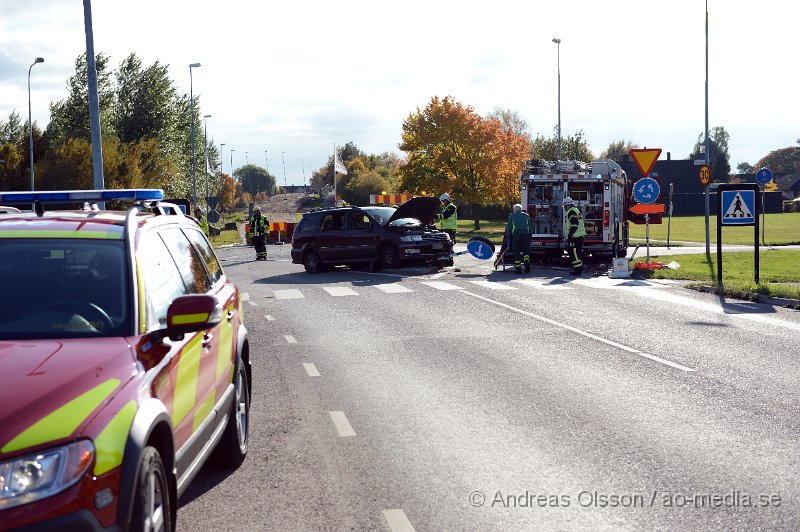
{"x": 650, "y": 265}
{"x": 281, "y": 231}
{"x": 389, "y": 199}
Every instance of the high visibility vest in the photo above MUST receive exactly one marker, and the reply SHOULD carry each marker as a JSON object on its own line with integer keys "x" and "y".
{"x": 581, "y": 231}
{"x": 258, "y": 225}
{"x": 452, "y": 222}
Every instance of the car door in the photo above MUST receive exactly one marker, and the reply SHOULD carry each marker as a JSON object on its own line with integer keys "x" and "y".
{"x": 361, "y": 240}
{"x": 331, "y": 242}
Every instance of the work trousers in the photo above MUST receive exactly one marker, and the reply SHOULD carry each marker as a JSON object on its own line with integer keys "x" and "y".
{"x": 521, "y": 248}
{"x": 260, "y": 243}
{"x": 576, "y": 253}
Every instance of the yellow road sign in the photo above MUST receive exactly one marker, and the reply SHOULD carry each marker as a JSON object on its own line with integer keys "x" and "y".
{"x": 645, "y": 158}
{"x": 705, "y": 175}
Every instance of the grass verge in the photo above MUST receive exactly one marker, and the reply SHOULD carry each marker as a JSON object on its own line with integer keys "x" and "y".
{"x": 777, "y": 268}
{"x": 780, "y": 229}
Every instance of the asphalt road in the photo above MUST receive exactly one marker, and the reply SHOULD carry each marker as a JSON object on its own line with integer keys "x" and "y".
{"x": 482, "y": 400}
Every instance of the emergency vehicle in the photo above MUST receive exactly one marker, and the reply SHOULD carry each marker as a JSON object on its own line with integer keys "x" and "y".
{"x": 599, "y": 191}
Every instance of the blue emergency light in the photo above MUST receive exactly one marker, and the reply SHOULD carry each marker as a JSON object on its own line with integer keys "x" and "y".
{"x": 67, "y": 196}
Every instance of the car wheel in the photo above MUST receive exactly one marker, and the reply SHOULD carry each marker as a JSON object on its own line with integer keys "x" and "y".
{"x": 151, "y": 508}
{"x": 311, "y": 262}
{"x": 232, "y": 447}
{"x": 389, "y": 257}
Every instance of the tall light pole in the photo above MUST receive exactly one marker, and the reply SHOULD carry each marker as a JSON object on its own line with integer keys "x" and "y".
{"x": 30, "y": 121}
{"x": 558, "y": 48}
{"x": 191, "y": 110}
{"x": 304, "y": 172}
{"x": 266, "y": 160}
{"x": 246, "y": 160}
{"x": 220, "y": 156}
{"x": 284, "y": 172}
{"x": 232, "y": 150}
{"x": 205, "y": 150}
{"x": 94, "y": 102}
{"x": 708, "y": 156}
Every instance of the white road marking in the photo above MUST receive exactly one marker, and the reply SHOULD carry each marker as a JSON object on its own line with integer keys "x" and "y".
{"x": 252, "y": 303}
{"x": 607, "y": 282}
{"x": 290, "y": 293}
{"x": 586, "y": 334}
{"x": 441, "y": 285}
{"x": 290, "y": 339}
{"x": 245, "y": 296}
{"x": 494, "y": 285}
{"x": 269, "y": 318}
{"x": 544, "y": 285}
{"x": 392, "y": 288}
{"x": 437, "y": 276}
{"x": 343, "y": 426}
{"x": 311, "y": 369}
{"x": 397, "y": 520}
{"x": 340, "y": 291}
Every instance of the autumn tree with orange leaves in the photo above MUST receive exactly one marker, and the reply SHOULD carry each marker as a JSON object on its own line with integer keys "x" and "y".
{"x": 453, "y": 149}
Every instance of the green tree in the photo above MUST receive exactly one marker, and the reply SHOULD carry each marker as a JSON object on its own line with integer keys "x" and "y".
{"x": 573, "y": 147}
{"x": 782, "y": 160}
{"x": 255, "y": 179}
{"x": 143, "y": 107}
{"x": 70, "y": 118}
{"x": 745, "y": 168}
{"x": 617, "y": 150}
{"x": 718, "y": 153}
{"x": 360, "y": 187}
{"x": 11, "y": 131}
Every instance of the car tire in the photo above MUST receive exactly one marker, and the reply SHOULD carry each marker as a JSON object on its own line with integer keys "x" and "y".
{"x": 311, "y": 262}
{"x": 151, "y": 506}
{"x": 232, "y": 447}
{"x": 389, "y": 257}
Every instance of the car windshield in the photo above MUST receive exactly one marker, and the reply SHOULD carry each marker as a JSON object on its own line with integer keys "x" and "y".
{"x": 382, "y": 214}
{"x": 63, "y": 288}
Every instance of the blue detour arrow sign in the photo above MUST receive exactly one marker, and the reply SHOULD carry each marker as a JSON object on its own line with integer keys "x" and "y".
{"x": 480, "y": 249}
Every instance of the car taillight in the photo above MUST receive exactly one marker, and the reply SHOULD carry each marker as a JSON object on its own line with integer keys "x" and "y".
{"x": 606, "y": 217}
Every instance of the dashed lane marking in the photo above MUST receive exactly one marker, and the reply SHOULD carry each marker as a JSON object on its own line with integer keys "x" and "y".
{"x": 311, "y": 369}
{"x": 289, "y": 293}
{"x": 441, "y": 285}
{"x": 269, "y": 318}
{"x": 290, "y": 339}
{"x": 544, "y": 285}
{"x": 397, "y": 521}
{"x": 494, "y": 285}
{"x": 392, "y": 288}
{"x": 245, "y": 296}
{"x": 252, "y": 303}
{"x": 343, "y": 426}
{"x": 340, "y": 291}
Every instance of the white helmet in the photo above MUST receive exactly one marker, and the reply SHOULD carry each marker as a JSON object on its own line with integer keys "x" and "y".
{"x": 567, "y": 201}
{"x": 444, "y": 197}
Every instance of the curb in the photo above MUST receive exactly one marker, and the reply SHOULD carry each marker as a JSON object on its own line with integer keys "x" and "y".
{"x": 749, "y": 296}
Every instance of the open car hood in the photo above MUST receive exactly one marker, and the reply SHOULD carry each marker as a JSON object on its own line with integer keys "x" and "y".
{"x": 422, "y": 208}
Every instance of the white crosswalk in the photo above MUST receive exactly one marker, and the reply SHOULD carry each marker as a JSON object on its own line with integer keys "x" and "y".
{"x": 410, "y": 286}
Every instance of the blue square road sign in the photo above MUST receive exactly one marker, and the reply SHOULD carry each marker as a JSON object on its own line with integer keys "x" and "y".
{"x": 738, "y": 207}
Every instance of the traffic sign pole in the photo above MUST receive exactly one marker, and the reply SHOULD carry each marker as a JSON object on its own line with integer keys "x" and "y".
{"x": 763, "y": 176}
{"x": 669, "y": 220}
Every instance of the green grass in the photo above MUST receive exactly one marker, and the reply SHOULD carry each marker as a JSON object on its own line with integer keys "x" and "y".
{"x": 228, "y": 237}
{"x": 780, "y": 229}
{"x": 493, "y": 230}
{"x": 775, "y": 266}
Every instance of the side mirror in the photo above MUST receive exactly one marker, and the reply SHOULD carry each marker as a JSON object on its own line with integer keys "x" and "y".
{"x": 188, "y": 314}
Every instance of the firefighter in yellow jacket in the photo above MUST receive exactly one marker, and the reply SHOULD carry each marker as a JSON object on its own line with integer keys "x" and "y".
{"x": 259, "y": 226}
{"x": 574, "y": 232}
{"x": 448, "y": 214}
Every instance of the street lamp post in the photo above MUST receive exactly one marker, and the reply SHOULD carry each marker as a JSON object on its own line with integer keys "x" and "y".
{"x": 220, "y": 155}
{"x": 191, "y": 110}
{"x": 558, "y": 47}
{"x": 304, "y": 172}
{"x": 284, "y": 172}
{"x": 266, "y": 160}
{"x": 205, "y": 151}
{"x": 246, "y": 160}
{"x": 232, "y": 150}
{"x": 30, "y": 121}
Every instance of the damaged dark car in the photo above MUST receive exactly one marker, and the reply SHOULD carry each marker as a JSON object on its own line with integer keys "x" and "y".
{"x": 373, "y": 236}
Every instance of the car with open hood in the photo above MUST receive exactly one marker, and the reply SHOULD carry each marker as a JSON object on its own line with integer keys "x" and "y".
{"x": 385, "y": 237}
{"x": 124, "y": 359}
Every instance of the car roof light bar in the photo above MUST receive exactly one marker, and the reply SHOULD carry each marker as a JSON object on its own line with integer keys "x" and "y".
{"x": 65, "y": 196}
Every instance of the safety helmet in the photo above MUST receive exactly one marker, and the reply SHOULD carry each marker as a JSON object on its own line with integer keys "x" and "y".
{"x": 444, "y": 197}
{"x": 257, "y": 208}
{"x": 568, "y": 201}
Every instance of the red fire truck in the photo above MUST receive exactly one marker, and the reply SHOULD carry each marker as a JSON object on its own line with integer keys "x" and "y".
{"x": 599, "y": 191}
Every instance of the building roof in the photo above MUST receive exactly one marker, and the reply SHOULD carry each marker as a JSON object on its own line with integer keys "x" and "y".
{"x": 788, "y": 182}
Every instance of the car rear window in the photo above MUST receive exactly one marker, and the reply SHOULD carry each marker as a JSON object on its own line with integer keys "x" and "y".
{"x": 63, "y": 288}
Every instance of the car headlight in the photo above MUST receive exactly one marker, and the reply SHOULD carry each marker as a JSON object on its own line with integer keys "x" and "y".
{"x": 36, "y": 476}
{"x": 411, "y": 238}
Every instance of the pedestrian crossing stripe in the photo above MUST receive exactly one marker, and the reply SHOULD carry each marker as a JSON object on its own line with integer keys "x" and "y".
{"x": 738, "y": 206}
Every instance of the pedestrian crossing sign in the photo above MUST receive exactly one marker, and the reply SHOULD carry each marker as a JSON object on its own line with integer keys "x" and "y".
{"x": 738, "y": 207}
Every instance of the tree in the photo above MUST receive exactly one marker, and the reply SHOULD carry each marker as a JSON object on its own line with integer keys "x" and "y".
{"x": 361, "y": 186}
{"x": 617, "y": 150}
{"x": 745, "y": 168}
{"x": 783, "y": 160}
{"x": 510, "y": 121}
{"x": 143, "y": 100}
{"x": 70, "y": 118}
{"x": 453, "y": 149}
{"x": 255, "y": 179}
{"x": 719, "y": 159}
{"x": 573, "y": 147}
{"x": 11, "y": 131}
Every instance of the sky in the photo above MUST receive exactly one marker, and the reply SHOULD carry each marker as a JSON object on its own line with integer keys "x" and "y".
{"x": 285, "y": 81}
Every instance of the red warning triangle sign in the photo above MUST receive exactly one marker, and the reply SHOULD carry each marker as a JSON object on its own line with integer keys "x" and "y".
{"x": 645, "y": 159}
